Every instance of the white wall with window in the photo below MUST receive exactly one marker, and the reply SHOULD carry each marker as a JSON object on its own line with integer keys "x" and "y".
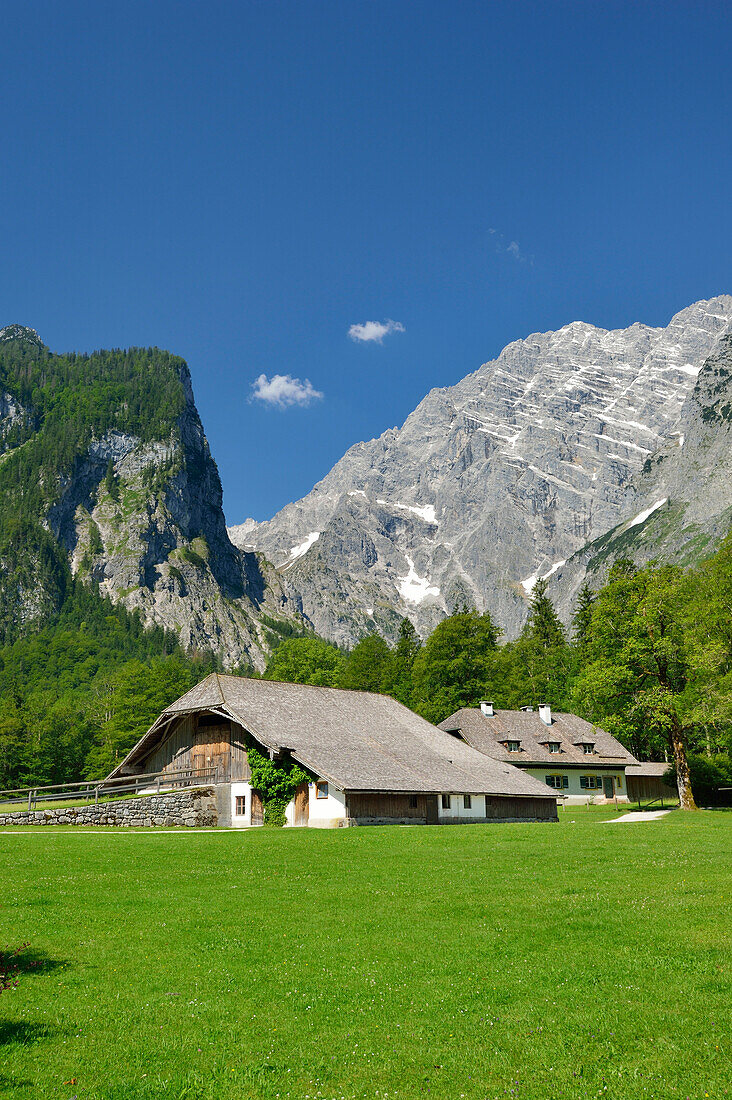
{"x": 241, "y": 805}
{"x": 583, "y": 784}
{"x": 326, "y": 805}
{"x": 462, "y": 807}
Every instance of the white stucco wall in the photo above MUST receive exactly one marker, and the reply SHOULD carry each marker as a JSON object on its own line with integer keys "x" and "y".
{"x": 457, "y": 811}
{"x": 323, "y": 813}
{"x": 574, "y": 794}
{"x": 326, "y": 813}
{"x": 239, "y": 789}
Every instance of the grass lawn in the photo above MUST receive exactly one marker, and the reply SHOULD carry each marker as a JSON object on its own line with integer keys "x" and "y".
{"x": 473, "y": 961}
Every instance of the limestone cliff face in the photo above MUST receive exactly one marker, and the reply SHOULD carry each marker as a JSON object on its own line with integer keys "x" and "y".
{"x": 136, "y": 509}
{"x": 679, "y": 505}
{"x": 155, "y": 539}
{"x": 492, "y": 482}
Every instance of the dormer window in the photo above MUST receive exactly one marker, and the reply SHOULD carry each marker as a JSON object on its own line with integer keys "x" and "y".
{"x": 554, "y": 746}
{"x": 588, "y": 747}
{"x": 513, "y": 746}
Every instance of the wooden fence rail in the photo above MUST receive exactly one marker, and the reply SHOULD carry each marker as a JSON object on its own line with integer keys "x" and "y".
{"x": 99, "y": 790}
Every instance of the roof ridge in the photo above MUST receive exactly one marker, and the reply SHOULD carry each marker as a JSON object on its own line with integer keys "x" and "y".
{"x": 315, "y": 687}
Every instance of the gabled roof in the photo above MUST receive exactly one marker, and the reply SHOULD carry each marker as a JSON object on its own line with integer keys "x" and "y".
{"x": 486, "y": 735}
{"x": 357, "y": 740}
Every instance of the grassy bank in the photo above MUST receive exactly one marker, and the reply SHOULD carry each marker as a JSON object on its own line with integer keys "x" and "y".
{"x": 526, "y": 961}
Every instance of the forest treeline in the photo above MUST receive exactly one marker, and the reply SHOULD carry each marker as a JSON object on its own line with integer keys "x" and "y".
{"x": 648, "y": 657}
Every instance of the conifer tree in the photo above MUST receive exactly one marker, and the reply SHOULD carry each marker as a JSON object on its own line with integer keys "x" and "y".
{"x": 582, "y": 618}
{"x": 111, "y": 482}
{"x": 397, "y": 675}
{"x": 543, "y": 623}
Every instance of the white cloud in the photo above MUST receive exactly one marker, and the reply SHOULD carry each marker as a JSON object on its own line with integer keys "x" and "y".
{"x": 373, "y": 332}
{"x": 513, "y": 248}
{"x": 282, "y": 390}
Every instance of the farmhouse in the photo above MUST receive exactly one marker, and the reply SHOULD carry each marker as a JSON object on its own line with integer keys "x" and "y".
{"x": 574, "y": 758}
{"x": 370, "y": 759}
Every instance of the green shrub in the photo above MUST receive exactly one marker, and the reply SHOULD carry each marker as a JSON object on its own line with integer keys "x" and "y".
{"x": 708, "y": 775}
{"x": 276, "y": 783}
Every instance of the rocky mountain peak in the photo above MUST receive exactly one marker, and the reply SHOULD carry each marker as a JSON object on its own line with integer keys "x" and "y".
{"x": 20, "y": 332}
{"x": 491, "y": 482}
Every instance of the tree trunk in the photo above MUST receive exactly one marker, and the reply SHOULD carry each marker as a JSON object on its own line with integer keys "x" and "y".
{"x": 683, "y": 779}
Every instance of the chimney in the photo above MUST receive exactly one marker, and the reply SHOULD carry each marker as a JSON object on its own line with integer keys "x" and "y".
{"x": 487, "y": 708}
{"x": 527, "y": 710}
{"x": 545, "y": 713}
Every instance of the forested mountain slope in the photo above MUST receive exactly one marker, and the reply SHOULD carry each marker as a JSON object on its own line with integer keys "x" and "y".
{"x": 106, "y": 475}
{"x": 495, "y": 481}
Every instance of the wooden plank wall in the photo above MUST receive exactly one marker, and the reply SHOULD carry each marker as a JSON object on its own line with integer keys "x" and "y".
{"x": 240, "y": 769}
{"x": 647, "y": 787}
{"x": 188, "y": 747}
{"x": 386, "y": 807}
{"x": 174, "y": 752}
{"x": 531, "y": 809}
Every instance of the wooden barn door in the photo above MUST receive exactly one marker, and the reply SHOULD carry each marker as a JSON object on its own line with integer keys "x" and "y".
{"x": 257, "y": 809}
{"x": 221, "y": 762}
{"x": 301, "y": 815}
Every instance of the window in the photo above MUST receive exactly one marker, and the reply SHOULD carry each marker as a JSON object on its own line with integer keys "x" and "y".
{"x": 446, "y": 801}
{"x": 588, "y": 747}
{"x": 513, "y": 746}
{"x": 205, "y": 720}
{"x": 619, "y": 782}
{"x": 321, "y": 789}
{"x": 554, "y": 746}
{"x": 590, "y": 782}
{"x": 240, "y": 807}
{"x": 466, "y": 802}
{"x": 412, "y": 802}
{"x": 558, "y": 782}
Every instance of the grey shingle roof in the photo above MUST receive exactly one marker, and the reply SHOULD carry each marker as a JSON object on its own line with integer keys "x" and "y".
{"x": 358, "y": 740}
{"x": 486, "y": 734}
{"x": 647, "y": 769}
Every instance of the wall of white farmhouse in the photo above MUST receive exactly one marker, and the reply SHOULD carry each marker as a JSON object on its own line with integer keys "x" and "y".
{"x": 241, "y": 790}
{"x": 325, "y": 813}
{"x": 457, "y": 810}
{"x": 574, "y": 793}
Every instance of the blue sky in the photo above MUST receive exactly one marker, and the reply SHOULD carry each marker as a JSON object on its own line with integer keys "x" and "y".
{"x": 243, "y": 182}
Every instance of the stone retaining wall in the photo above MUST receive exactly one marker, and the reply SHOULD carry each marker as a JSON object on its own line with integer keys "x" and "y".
{"x": 192, "y": 808}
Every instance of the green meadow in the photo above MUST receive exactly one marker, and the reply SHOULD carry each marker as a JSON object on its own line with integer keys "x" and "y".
{"x": 529, "y": 962}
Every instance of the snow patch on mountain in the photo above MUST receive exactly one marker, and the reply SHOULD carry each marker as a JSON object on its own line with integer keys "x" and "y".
{"x": 427, "y": 513}
{"x": 303, "y": 547}
{"x": 530, "y": 583}
{"x": 643, "y": 516}
{"x": 413, "y": 588}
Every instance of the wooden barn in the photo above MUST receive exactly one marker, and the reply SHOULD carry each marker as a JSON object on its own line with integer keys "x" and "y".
{"x": 370, "y": 759}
